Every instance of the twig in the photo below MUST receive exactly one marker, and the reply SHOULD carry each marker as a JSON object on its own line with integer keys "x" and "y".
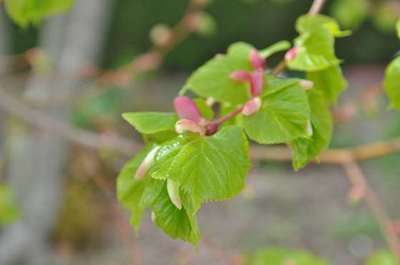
{"x": 126, "y": 146}
{"x": 316, "y": 7}
{"x": 227, "y": 117}
{"x": 151, "y": 59}
{"x": 356, "y": 177}
{"x": 45, "y": 122}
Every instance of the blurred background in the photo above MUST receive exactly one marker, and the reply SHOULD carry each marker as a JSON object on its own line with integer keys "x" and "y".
{"x": 65, "y": 82}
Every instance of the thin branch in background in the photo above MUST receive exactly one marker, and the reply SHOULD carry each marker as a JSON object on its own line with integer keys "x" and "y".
{"x": 357, "y": 177}
{"x": 126, "y": 146}
{"x": 153, "y": 58}
{"x": 83, "y": 137}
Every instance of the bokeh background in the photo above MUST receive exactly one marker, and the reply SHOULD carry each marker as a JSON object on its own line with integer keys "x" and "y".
{"x": 62, "y": 139}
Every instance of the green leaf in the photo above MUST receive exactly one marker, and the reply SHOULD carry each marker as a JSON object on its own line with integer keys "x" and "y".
{"x": 281, "y": 256}
{"x": 316, "y": 43}
{"x": 212, "y": 79}
{"x": 205, "y": 110}
{"x": 315, "y": 52}
{"x": 274, "y": 84}
{"x": 351, "y": 13}
{"x": 313, "y": 23}
{"x": 284, "y": 116}
{"x": 207, "y": 168}
{"x": 8, "y": 210}
{"x": 306, "y": 149}
{"x": 329, "y": 81}
{"x": 392, "y": 84}
{"x": 398, "y": 28}
{"x": 151, "y": 122}
{"x": 25, "y": 12}
{"x": 130, "y": 190}
{"x": 177, "y": 223}
{"x": 382, "y": 258}
{"x": 275, "y": 48}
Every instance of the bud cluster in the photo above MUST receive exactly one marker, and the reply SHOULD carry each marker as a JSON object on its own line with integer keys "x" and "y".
{"x": 256, "y": 81}
{"x": 191, "y": 119}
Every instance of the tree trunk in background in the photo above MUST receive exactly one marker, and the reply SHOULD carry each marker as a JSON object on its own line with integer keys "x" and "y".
{"x": 4, "y": 66}
{"x": 38, "y": 157}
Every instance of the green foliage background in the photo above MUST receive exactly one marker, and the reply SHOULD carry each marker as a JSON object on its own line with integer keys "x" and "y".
{"x": 255, "y": 22}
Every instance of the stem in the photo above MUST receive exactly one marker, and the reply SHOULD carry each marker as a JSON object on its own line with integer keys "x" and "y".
{"x": 316, "y": 7}
{"x": 227, "y": 117}
{"x": 357, "y": 177}
{"x": 279, "y": 68}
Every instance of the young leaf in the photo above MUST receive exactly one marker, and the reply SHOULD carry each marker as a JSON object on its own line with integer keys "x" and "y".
{"x": 275, "y": 256}
{"x": 329, "y": 81}
{"x": 315, "y": 51}
{"x": 213, "y": 79}
{"x": 315, "y": 45}
{"x": 306, "y": 149}
{"x": 24, "y": 12}
{"x": 312, "y": 23}
{"x": 151, "y": 122}
{"x": 392, "y": 84}
{"x": 177, "y": 223}
{"x": 275, "y": 48}
{"x": 130, "y": 189}
{"x": 382, "y": 258}
{"x": 208, "y": 168}
{"x": 283, "y": 117}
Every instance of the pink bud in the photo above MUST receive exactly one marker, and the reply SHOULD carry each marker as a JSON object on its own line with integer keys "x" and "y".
{"x": 212, "y": 128}
{"x": 256, "y": 60}
{"x": 186, "y": 125}
{"x": 291, "y": 54}
{"x": 257, "y": 82}
{"x": 186, "y": 108}
{"x": 252, "y": 106}
{"x": 241, "y": 76}
{"x": 146, "y": 164}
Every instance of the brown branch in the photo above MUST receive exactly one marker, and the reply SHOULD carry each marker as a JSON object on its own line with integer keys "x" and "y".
{"x": 332, "y": 156}
{"x": 357, "y": 177}
{"x": 45, "y": 122}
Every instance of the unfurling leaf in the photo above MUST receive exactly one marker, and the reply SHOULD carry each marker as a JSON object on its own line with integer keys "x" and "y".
{"x": 314, "y": 48}
{"x": 173, "y": 193}
{"x": 214, "y": 78}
